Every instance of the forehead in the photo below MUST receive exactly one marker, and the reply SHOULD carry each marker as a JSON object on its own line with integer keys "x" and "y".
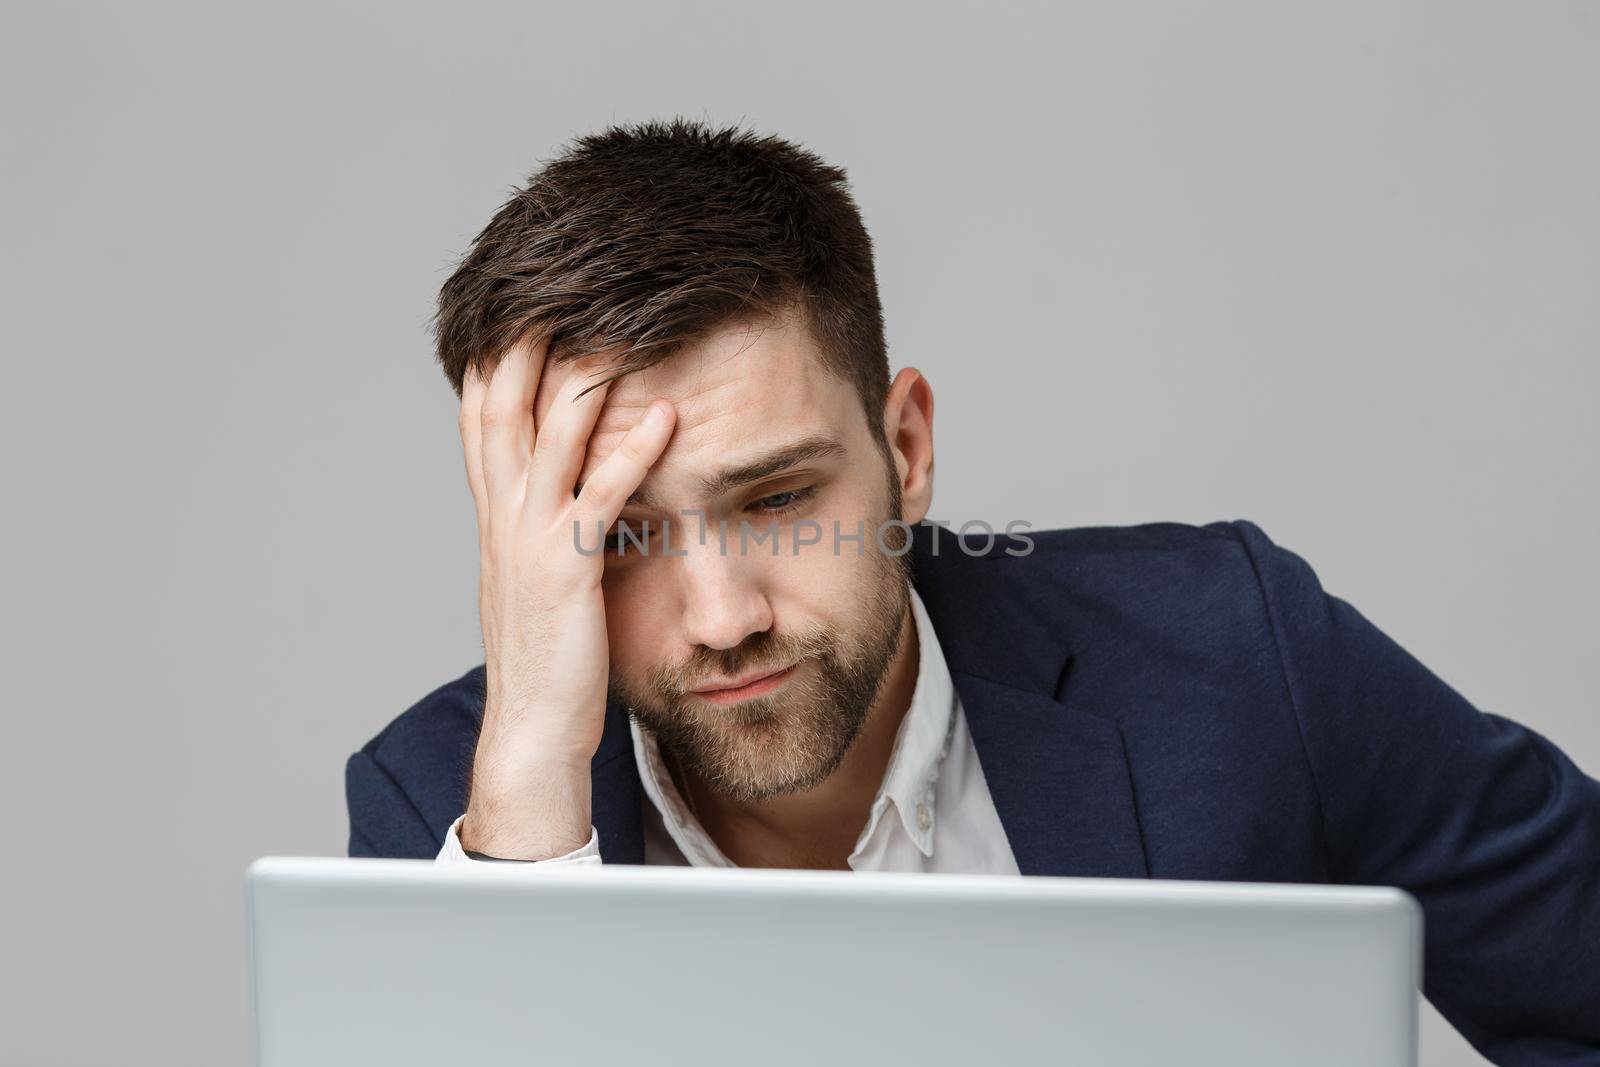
{"x": 743, "y": 389}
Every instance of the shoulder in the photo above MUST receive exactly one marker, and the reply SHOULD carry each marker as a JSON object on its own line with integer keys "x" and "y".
{"x": 1217, "y": 548}
{"x": 417, "y": 768}
{"x": 439, "y": 718}
{"x": 1225, "y": 548}
{"x": 1178, "y": 566}
{"x": 1170, "y": 591}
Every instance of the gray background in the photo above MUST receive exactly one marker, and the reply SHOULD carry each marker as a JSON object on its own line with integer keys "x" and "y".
{"x": 1330, "y": 268}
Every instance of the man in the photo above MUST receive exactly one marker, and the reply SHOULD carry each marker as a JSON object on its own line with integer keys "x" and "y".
{"x": 718, "y": 630}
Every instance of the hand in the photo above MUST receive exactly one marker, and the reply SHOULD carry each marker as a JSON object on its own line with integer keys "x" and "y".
{"x": 539, "y": 598}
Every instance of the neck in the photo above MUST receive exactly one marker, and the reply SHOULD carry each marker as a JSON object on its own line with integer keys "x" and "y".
{"x": 817, "y": 828}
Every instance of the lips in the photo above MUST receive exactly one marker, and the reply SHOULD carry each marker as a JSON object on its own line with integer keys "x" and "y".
{"x": 750, "y": 685}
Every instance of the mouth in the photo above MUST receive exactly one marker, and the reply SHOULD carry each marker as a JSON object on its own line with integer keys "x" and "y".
{"x": 743, "y": 689}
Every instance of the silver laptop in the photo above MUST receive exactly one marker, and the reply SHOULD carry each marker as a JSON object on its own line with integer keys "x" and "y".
{"x": 402, "y": 963}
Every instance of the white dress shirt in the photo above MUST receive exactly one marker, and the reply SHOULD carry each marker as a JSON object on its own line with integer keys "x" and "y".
{"x": 932, "y": 813}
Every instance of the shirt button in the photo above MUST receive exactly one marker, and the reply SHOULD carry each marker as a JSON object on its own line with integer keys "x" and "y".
{"x": 924, "y": 816}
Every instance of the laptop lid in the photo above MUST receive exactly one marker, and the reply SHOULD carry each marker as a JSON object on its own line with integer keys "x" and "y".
{"x": 406, "y": 963}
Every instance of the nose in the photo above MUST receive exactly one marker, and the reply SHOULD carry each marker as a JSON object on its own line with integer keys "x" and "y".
{"x": 724, "y": 596}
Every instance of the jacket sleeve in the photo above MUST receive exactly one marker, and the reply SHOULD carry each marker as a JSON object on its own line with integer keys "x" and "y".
{"x": 1488, "y": 824}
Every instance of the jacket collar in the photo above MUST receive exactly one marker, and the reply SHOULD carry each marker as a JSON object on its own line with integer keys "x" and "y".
{"x": 1058, "y": 773}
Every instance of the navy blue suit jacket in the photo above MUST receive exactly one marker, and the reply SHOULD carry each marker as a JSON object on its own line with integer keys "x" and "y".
{"x": 1174, "y": 701}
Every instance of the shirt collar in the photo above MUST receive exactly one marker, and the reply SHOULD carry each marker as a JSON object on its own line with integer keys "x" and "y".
{"x": 920, "y": 747}
{"x": 922, "y": 742}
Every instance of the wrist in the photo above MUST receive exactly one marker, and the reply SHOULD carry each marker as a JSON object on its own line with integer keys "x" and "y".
{"x": 536, "y": 812}
{"x": 520, "y": 845}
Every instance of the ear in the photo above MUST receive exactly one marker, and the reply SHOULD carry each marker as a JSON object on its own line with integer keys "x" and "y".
{"x": 908, "y": 426}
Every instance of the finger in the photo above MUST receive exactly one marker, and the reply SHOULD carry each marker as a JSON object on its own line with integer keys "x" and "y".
{"x": 472, "y": 390}
{"x": 608, "y": 489}
{"x": 505, "y": 418}
{"x": 564, "y": 437}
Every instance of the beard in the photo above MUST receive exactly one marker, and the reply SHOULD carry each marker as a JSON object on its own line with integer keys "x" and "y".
{"x": 792, "y": 739}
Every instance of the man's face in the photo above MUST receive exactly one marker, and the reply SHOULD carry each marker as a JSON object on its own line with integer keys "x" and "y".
{"x": 765, "y": 436}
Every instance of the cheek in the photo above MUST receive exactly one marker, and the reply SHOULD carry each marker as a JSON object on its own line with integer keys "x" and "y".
{"x": 821, "y": 587}
{"x": 847, "y": 527}
{"x": 639, "y": 626}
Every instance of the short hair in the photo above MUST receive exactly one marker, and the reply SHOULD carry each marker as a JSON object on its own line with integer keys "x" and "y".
{"x": 648, "y": 237}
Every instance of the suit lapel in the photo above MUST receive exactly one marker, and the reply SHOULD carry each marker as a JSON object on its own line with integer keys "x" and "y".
{"x": 1058, "y": 773}
{"x": 1059, "y": 780}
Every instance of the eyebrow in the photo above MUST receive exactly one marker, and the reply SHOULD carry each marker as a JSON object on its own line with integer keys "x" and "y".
{"x": 763, "y": 466}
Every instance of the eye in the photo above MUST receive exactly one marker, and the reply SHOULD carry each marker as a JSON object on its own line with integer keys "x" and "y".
{"x": 626, "y": 538}
{"x": 788, "y": 500}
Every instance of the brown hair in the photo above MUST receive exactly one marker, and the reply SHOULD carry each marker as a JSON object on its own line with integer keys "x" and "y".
{"x": 648, "y": 237}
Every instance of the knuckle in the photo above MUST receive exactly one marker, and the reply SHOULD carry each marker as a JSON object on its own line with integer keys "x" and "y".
{"x": 632, "y": 450}
{"x": 547, "y": 442}
{"x": 497, "y": 417}
{"x": 601, "y": 490}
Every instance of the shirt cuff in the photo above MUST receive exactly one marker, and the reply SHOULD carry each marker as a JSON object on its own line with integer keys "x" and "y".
{"x": 452, "y": 854}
